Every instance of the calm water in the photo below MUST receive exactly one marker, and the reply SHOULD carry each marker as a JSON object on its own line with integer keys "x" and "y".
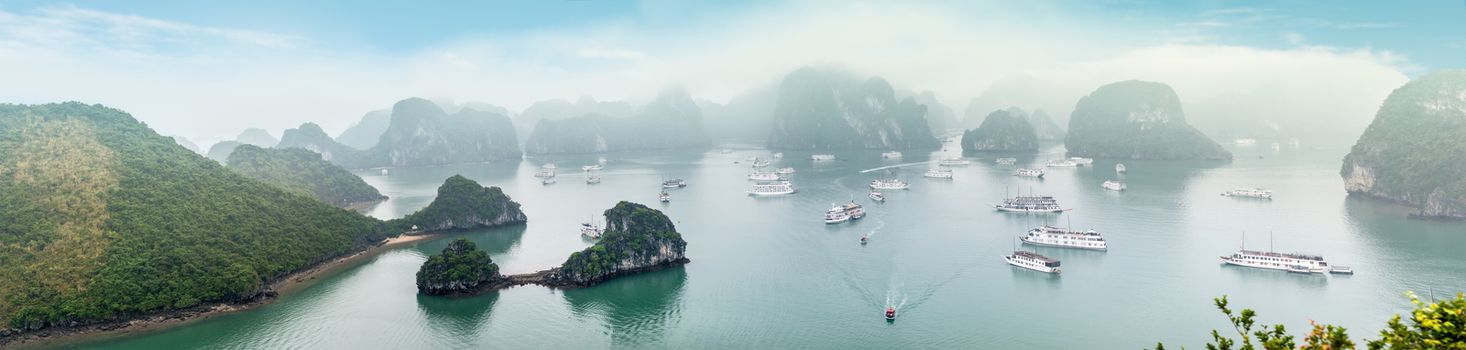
{"x": 768, "y": 273}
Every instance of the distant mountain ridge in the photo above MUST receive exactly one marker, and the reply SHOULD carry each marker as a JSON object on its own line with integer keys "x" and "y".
{"x": 823, "y": 109}
{"x": 671, "y": 121}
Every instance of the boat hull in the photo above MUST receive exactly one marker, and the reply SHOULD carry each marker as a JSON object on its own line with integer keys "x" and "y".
{"x": 1235, "y": 262}
{"x": 1020, "y": 264}
{"x": 765, "y": 194}
{"x": 1028, "y": 241}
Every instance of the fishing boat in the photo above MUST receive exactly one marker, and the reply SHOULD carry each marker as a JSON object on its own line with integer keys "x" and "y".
{"x": 1081, "y": 161}
{"x": 1025, "y": 172}
{"x": 844, "y": 212}
{"x": 591, "y": 230}
{"x": 1029, "y": 204}
{"x": 891, "y": 155}
{"x": 592, "y": 167}
{"x": 1062, "y": 163}
{"x": 938, "y": 173}
{"x": 865, "y": 239}
{"x": 1341, "y": 270}
{"x": 1033, "y": 261}
{"x": 890, "y": 313}
{"x": 1049, "y": 236}
{"x": 784, "y": 171}
{"x": 877, "y": 196}
{"x": 763, "y": 176}
{"x": 592, "y": 179}
{"x": 1258, "y": 193}
{"x": 1119, "y": 168}
{"x": 664, "y": 197}
{"x": 889, "y": 184}
{"x": 1113, "y": 185}
{"x": 1007, "y": 161}
{"x": 759, "y": 163}
{"x": 822, "y": 157}
{"x": 774, "y": 188}
{"x": 674, "y": 183}
{"x": 954, "y": 161}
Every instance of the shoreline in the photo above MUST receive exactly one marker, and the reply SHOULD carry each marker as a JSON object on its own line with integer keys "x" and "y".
{"x": 165, "y": 320}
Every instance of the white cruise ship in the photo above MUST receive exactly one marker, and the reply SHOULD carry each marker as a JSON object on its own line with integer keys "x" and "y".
{"x": 1033, "y": 261}
{"x": 891, "y": 155}
{"x": 822, "y": 157}
{"x": 1029, "y": 204}
{"x": 844, "y": 212}
{"x": 1050, "y": 236}
{"x": 548, "y": 166}
{"x": 1007, "y": 161}
{"x": 1081, "y": 161}
{"x": 592, "y": 167}
{"x": 1062, "y": 163}
{"x": 591, "y": 230}
{"x": 889, "y": 184}
{"x": 1291, "y": 262}
{"x": 1245, "y": 142}
{"x": 1249, "y": 193}
{"x": 775, "y": 188}
{"x": 1025, "y": 172}
{"x": 784, "y": 171}
{"x": 1113, "y": 185}
{"x": 763, "y": 176}
{"x": 592, "y": 179}
{"x": 877, "y": 197}
{"x": 954, "y": 161}
{"x": 938, "y": 173}
{"x": 674, "y": 183}
{"x": 545, "y": 173}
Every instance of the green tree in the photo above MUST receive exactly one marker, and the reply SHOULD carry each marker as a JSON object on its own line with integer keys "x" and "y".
{"x": 1432, "y": 325}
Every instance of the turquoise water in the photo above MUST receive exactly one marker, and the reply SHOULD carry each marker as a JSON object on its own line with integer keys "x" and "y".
{"x": 768, "y": 273}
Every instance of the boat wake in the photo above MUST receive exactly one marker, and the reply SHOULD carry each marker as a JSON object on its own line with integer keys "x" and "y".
{"x": 893, "y": 166}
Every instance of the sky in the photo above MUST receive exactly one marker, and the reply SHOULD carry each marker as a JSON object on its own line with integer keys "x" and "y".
{"x": 207, "y": 69}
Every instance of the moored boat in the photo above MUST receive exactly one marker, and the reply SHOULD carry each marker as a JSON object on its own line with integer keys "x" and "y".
{"x": 1029, "y": 204}
{"x": 1341, "y": 270}
{"x": 591, "y": 230}
{"x": 844, "y": 212}
{"x": 877, "y": 196}
{"x": 1113, "y": 185}
{"x": 1259, "y": 193}
{"x": 664, "y": 197}
{"x": 759, "y": 163}
{"x": 674, "y": 183}
{"x": 1007, "y": 161}
{"x": 545, "y": 173}
{"x": 889, "y": 184}
{"x": 1062, "y": 163}
{"x": 938, "y": 173}
{"x": 1033, "y": 261}
{"x": 1291, "y": 262}
{"x": 1050, "y": 236}
{"x": 1025, "y": 172}
{"x": 1081, "y": 161}
{"x": 954, "y": 161}
{"x": 784, "y": 171}
{"x": 592, "y": 179}
{"x": 822, "y": 157}
{"x": 1119, "y": 168}
{"x": 591, "y": 167}
{"x": 891, "y": 155}
{"x": 763, "y": 176}
{"x": 548, "y": 181}
{"x": 771, "y": 188}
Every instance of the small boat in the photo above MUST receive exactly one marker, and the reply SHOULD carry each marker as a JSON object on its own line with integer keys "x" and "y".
{"x": 864, "y": 239}
{"x": 1081, "y": 161}
{"x": 1007, "y": 161}
{"x": 1119, "y": 168}
{"x": 674, "y": 183}
{"x": 759, "y": 163}
{"x": 545, "y": 173}
{"x": 592, "y": 167}
{"x": 822, "y": 157}
{"x": 891, "y": 155}
{"x": 889, "y": 184}
{"x": 601, "y": 160}
{"x": 548, "y": 181}
{"x": 775, "y": 188}
{"x": 1113, "y": 185}
{"x": 1277, "y": 146}
{"x": 953, "y": 161}
{"x": 591, "y": 230}
{"x": 938, "y": 173}
{"x": 1033, "y": 261}
{"x": 591, "y": 180}
{"x": 384, "y": 172}
{"x": 890, "y": 313}
{"x": 1062, "y": 163}
{"x": 1024, "y": 172}
{"x": 784, "y": 171}
{"x": 1304, "y": 269}
{"x": 1341, "y": 270}
{"x": 763, "y": 176}
{"x": 779, "y": 155}
{"x": 664, "y": 197}
{"x": 877, "y": 196}
{"x": 1259, "y": 193}
{"x": 548, "y": 166}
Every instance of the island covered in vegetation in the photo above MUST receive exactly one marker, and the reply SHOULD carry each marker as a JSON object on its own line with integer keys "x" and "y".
{"x": 1001, "y": 131}
{"x": 304, "y": 172}
{"x": 1415, "y": 150}
{"x": 463, "y": 204}
{"x": 1136, "y": 120}
{"x": 461, "y": 267}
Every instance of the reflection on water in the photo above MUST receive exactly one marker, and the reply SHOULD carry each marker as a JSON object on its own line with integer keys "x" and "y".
{"x": 456, "y": 318}
{"x": 635, "y": 309}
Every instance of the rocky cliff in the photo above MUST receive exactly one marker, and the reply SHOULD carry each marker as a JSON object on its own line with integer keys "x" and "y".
{"x": 820, "y": 109}
{"x": 365, "y": 133}
{"x": 671, "y": 121}
{"x": 1001, "y": 131}
{"x": 1044, "y": 126}
{"x": 1415, "y": 150}
{"x": 462, "y": 204}
{"x": 420, "y": 133}
{"x": 1136, "y": 120}
{"x": 525, "y": 122}
{"x": 459, "y": 268}
{"x": 309, "y": 136}
{"x": 637, "y": 239}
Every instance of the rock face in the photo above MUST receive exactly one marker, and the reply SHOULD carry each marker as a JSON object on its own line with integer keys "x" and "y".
{"x": 365, "y": 133}
{"x": 525, "y": 122}
{"x": 220, "y": 151}
{"x": 460, "y": 268}
{"x": 1415, "y": 150}
{"x": 939, "y": 117}
{"x": 1045, "y": 127}
{"x": 1136, "y": 120}
{"x": 257, "y": 137}
{"x": 824, "y": 109}
{"x": 420, "y": 133}
{"x": 636, "y": 239}
{"x": 304, "y": 172}
{"x": 309, "y": 136}
{"x": 462, "y": 204}
{"x": 671, "y": 121}
{"x": 1001, "y": 131}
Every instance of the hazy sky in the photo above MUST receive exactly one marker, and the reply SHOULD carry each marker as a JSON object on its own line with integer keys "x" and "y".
{"x": 207, "y": 70}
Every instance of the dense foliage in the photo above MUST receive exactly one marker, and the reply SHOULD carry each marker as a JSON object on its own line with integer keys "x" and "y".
{"x": 635, "y": 236}
{"x": 671, "y": 121}
{"x": 826, "y": 109}
{"x": 1001, "y": 131}
{"x": 105, "y": 219}
{"x": 460, "y": 267}
{"x": 304, "y": 172}
{"x": 462, "y": 204}
{"x": 419, "y": 133}
{"x": 1432, "y": 325}
{"x": 1415, "y": 150}
{"x": 1136, "y": 120}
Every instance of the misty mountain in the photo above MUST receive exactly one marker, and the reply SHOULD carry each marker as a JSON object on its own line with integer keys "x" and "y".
{"x": 671, "y": 121}
{"x": 1043, "y": 126}
{"x": 1136, "y": 120}
{"x": 421, "y": 133}
{"x": 939, "y": 116}
{"x": 1415, "y": 150}
{"x": 1001, "y": 131}
{"x": 557, "y": 109}
{"x": 257, "y": 137}
{"x": 309, "y": 136}
{"x": 746, "y": 116}
{"x": 366, "y": 132}
{"x": 830, "y": 109}
{"x": 219, "y": 152}
{"x": 183, "y": 141}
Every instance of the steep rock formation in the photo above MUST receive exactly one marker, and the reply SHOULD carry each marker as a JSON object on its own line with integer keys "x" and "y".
{"x": 420, "y": 133}
{"x": 1415, "y": 150}
{"x": 462, "y": 204}
{"x": 825, "y": 109}
{"x": 1136, "y": 120}
{"x": 366, "y": 132}
{"x": 219, "y": 152}
{"x": 636, "y": 239}
{"x": 459, "y": 268}
{"x": 671, "y": 121}
{"x": 1001, "y": 131}
{"x": 257, "y": 137}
